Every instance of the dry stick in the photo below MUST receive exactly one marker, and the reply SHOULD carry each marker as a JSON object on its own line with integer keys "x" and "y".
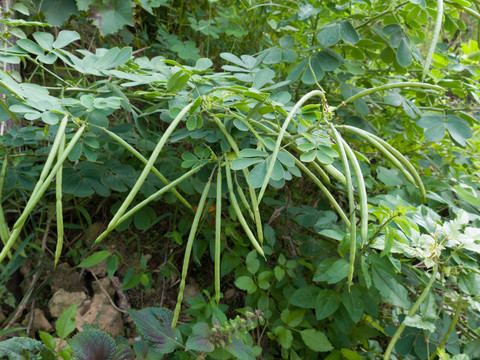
{"x": 106, "y": 293}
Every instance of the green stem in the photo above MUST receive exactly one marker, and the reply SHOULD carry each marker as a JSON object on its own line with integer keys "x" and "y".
{"x": 59, "y": 205}
{"x": 218, "y": 233}
{"x": 458, "y": 311}
{"x": 411, "y": 312}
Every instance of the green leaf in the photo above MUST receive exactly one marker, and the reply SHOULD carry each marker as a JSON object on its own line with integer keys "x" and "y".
{"x": 274, "y": 56}
{"x": 257, "y": 175}
{"x": 66, "y": 323}
{"x": 330, "y": 35}
{"x": 45, "y": 40}
{"x": 262, "y": 78}
{"x": 47, "y": 339}
{"x": 353, "y": 302}
{"x": 115, "y": 17}
{"x": 329, "y": 60}
{"x": 390, "y": 289}
{"x": 350, "y": 354}
{"x": 326, "y": 303}
{"x": 284, "y": 336}
{"x": 30, "y": 46}
{"x": 435, "y": 133}
{"x": 466, "y": 196}
{"x": 458, "y": 129}
{"x": 304, "y": 297}
{"x": 64, "y": 38}
{"x": 348, "y": 32}
{"x": 94, "y": 259}
{"x": 58, "y": 11}
{"x": 470, "y": 284}
{"x": 292, "y": 318}
{"x": 416, "y": 321}
{"x": 253, "y": 264}
{"x": 313, "y": 72}
{"x": 335, "y": 273}
{"x": 246, "y": 283}
{"x": 404, "y": 56}
{"x": 112, "y": 266}
{"x": 316, "y": 340}
{"x": 246, "y": 153}
{"x": 203, "y": 64}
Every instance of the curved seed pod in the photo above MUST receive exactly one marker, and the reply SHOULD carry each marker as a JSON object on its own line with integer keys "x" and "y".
{"x": 392, "y": 86}
{"x": 156, "y": 195}
{"x": 362, "y": 192}
{"x": 325, "y": 191}
{"x": 144, "y": 174}
{"x": 218, "y": 233}
{"x": 58, "y": 204}
{"x": 17, "y": 227}
{"x": 238, "y": 212}
{"x": 188, "y": 251}
{"x": 351, "y": 203}
{"x": 393, "y": 155}
{"x": 436, "y": 33}
{"x": 244, "y": 199}
{"x": 332, "y": 170}
{"x": 281, "y": 134}
{"x": 145, "y": 161}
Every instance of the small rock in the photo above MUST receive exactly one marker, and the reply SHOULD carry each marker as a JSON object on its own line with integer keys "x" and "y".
{"x": 100, "y": 269}
{"x": 62, "y": 299}
{"x": 191, "y": 290}
{"x": 40, "y": 322}
{"x": 107, "y": 285}
{"x": 66, "y": 278}
{"x": 102, "y": 313}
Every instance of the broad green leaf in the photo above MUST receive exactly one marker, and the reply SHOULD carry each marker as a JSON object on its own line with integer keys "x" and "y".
{"x": 348, "y": 32}
{"x": 390, "y": 289}
{"x": 112, "y": 265}
{"x": 233, "y": 59}
{"x": 310, "y": 77}
{"x": 350, "y": 354}
{"x": 30, "y": 46}
{"x": 257, "y": 175}
{"x": 287, "y": 41}
{"x": 66, "y": 323}
{"x": 252, "y": 262}
{"x": 203, "y": 64}
{"x": 316, "y": 340}
{"x": 284, "y": 336}
{"x": 330, "y": 35}
{"x": 247, "y": 153}
{"x": 292, "y": 318}
{"x": 435, "y": 133}
{"x": 304, "y": 297}
{"x": 404, "y": 56}
{"x": 353, "y": 302}
{"x": 329, "y": 60}
{"x": 458, "y": 129}
{"x": 246, "y": 283}
{"x": 64, "y": 38}
{"x": 94, "y": 259}
{"x": 416, "y": 321}
{"x": 58, "y": 11}
{"x": 467, "y": 196}
{"x": 274, "y": 56}
{"x": 295, "y": 73}
{"x": 326, "y": 303}
{"x": 115, "y": 17}
{"x": 262, "y": 78}
{"x": 336, "y": 272}
{"x": 470, "y": 284}
{"x": 45, "y": 40}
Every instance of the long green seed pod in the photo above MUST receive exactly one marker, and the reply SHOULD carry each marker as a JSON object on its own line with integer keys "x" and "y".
{"x": 411, "y": 312}
{"x": 390, "y": 152}
{"x": 4, "y": 231}
{"x": 392, "y": 86}
{"x": 238, "y": 212}
{"x": 51, "y": 155}
{"x": 59, "y": 207}
{"x": 251, "y": 190}
{"x": 280, "y": 138}
{"x": 188, "y": 251}
{"x": 332, "y": 170}
{"x": 244, "y": 199}
{"x": 17, "y": 227}
{"x": 218, "y": 233}
{"x": 362, "y": 192}
{"x": 154, "y": 196}
{"x": 324, "y": 190}
{"x": 146, "y": 170}
{"x": 145, "y": 161}
{"x": 436, "y": 34}
{"x": 351, "y": 203}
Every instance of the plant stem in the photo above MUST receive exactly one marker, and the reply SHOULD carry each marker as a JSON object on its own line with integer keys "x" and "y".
{"x": 411, "y": 312}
